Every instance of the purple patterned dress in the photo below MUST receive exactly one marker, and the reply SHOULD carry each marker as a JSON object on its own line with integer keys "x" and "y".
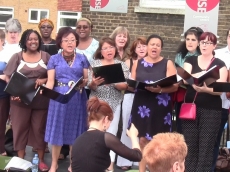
{"x": 151, "y": 112}
{"x": 66, "y": 122}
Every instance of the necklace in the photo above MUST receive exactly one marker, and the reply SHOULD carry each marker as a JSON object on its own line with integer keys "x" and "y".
{"x": 93, "y": 128}
{"x": 69, "y": 59}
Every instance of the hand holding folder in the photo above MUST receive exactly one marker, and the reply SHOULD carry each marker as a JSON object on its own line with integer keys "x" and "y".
{"x": 210, "y": 76}
{"x": 164, "y": 82}
{"x": 22, "y": 87}
{"x": 110, "y": 73}
{"x": 62, "y": 98}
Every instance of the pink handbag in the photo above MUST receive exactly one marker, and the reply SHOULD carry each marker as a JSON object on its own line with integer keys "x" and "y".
{"x": 188, "y": 111}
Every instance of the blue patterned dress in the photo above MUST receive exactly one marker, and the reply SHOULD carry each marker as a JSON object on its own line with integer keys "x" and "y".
{"x": 66, "y": 122}
{"x": 151, "y": 112}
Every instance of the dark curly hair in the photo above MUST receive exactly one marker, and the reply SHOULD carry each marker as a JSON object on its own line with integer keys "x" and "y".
{"x": 25, "y": 37}
{"x": 64, "y": 32}
{"x": 191, "y": 31}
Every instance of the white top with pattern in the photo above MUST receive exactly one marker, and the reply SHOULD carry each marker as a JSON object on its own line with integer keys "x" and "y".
{"x": 89, "y": 52}
{"x": 108, "y": 93}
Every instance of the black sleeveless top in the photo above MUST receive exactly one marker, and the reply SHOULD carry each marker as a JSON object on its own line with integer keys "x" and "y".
{"x": 203, "y": 100}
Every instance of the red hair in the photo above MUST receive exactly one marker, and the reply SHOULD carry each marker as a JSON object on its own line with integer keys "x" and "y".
{"x": 141, "y": 40}
{"x": 211, "y": 37}
{"x": 164, "y": 150}
{"x": 98, "y": 109}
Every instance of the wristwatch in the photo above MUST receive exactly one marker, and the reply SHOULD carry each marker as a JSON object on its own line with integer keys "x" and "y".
{"x": 160, "y": 91}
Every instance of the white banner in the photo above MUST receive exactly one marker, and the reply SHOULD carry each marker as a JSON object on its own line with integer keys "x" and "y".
{"x": 115, "y": 6}
{"x": 203, "y": 14}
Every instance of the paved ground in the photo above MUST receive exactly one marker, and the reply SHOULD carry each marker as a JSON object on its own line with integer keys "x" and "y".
{"x": 63, "y": 164}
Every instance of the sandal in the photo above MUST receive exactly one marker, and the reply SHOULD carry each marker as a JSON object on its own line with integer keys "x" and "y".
{"x": 42, "y": 166}
{"x": 125, "y": 168}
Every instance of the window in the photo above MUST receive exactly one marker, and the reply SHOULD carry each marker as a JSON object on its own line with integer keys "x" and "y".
{"x": 161, "y": 6}
{"x": 176, "y": 4}
{"x": 67, "y": 18}
{"x": 35, "y": 15}
{"x": 5, "y": 14}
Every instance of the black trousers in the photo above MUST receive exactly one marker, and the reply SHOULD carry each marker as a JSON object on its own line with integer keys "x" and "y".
{"x": 200, "y": 136}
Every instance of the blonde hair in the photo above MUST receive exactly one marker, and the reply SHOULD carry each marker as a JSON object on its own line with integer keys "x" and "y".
{"x": 87, "y": 20}
{"x": 122, "y": 30}
{"x": 164, "y": 150}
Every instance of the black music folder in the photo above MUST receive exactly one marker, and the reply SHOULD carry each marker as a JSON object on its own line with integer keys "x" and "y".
{"x": 22, "y": 87}
{"x": 51, "y": 49}
{"x": 164, "y": 82}
{"x": 208, "y": 77}
{"x": 61, "y": 98}
{"x": 111, "y": 73}
{"x": 220, "y": 86}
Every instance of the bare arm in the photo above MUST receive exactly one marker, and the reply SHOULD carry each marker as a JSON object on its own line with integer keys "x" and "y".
{"x": 7, "y": 79}
{"x": 51, "y": 79}
{"x": 3, "y": 77}
{"x": 85, "y": 77}
{"x": 133, "y": 72}
{"x": 121, "y": 86}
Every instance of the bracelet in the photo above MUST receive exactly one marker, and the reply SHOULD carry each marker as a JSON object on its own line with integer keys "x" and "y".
{"x": 160, "y": 91}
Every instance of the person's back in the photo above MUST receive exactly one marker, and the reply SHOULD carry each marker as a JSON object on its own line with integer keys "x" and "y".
{"x": 91, "y": 148}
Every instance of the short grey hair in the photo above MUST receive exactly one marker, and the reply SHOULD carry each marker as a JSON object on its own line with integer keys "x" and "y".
{"x": 13, "y": 25}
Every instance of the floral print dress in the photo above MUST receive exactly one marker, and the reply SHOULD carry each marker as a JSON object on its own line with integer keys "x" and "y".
{"x": 151, "y": 112}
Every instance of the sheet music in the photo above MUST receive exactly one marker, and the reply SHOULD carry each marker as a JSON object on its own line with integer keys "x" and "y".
{"x": 17, "y": 162}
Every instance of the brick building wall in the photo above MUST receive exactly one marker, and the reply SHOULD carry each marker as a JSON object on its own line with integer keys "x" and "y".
{"x": 69, "y": 5}
{"x": 169, "y": 26}
{"x": 21, "y": 11}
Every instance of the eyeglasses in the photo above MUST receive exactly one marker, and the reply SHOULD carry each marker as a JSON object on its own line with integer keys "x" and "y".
{"x": 82, "y": 27}
{"x": 69, "y": 41}
{"x": 48, "y": 27}
{"x": 107, "y": 48}
{"x": 205, "y": 43}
